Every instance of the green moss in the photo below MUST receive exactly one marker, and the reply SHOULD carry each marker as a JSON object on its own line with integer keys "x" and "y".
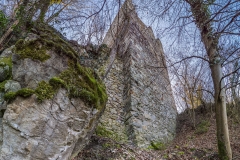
{"x": 10, "y": 96}
{"x": 44, "y": 91}
{"x": 53, "y": 40}
{"x": 25, "y": 92}
{"x": 202, "y": 127}
{"x": 80, "y": 82}
{"x": 61, "y": 48}
{"x": 6, "y": 61}
{"x": 107, "y": 145}
{"x": 48, "y": 40}
{"x": 32, "y": 49}
{"x": 103, "y": 132}
{"x": 157, "y": 146}
{"x": 181, "y": 153}
{"x": 2, "y": 86}
{"x": 221, "y": 151}
{"x": 56, "y": 82}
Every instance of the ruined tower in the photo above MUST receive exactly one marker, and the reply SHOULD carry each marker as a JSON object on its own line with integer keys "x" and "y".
{"x": 140, "y": 108}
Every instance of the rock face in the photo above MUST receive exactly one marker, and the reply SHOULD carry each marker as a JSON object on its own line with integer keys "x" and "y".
{"x": 48, "y": 130}
{"x": 140, "y": 107}
{"x": 52, "y": 103}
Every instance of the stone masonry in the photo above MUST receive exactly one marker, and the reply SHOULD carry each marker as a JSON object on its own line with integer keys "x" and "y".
{"x": 140, "y": 108}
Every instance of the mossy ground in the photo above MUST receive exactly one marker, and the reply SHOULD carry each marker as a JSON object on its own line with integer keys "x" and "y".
{"x": 202, "y": 127}
{"x": 157, "y": 146}
{"x": 103, "y": 132}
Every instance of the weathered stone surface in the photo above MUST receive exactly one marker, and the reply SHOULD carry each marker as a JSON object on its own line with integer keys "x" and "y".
{"x": 48, "y": 130}
{"x": 7, "y": 52}
{"x": 12, "y": 86}
{"x": 55, "y": 128}
{"x": 29, "y": 72}
{"x": 144, "y": 103}
{"x": 4, "y": 70}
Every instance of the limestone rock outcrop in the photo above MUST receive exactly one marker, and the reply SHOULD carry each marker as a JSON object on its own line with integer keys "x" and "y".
{"x": 50, "y": 104}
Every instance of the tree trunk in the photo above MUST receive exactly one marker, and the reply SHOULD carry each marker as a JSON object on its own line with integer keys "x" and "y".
{"x": 201, "y": 14}
{"x": 223, "y": 141}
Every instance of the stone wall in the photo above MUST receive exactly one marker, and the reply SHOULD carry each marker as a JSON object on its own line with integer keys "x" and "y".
{"x": 140, "y": 106}
{"x": 113, "y": 118}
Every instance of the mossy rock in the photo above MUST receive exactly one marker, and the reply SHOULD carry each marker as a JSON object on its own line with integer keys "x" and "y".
{"x": 5, "y": 68}
{"x": 31, "y": 49}
{"x": 2, "y": 86}
{"x": 44, "y": 91}
{"x": 80, "y": 82}
{"x": 46, "y": 40}
{"x": 24, "y": 92}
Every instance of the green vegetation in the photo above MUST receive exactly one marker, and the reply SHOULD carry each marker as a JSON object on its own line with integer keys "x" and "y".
{"x": 102, "y": 131}
{"x": 80, "y": 82}
{"x": 44, "y": 91}
{"x": 10, "y": 96}
{"x": 2, "y": 84}
{"x": 165, "y": 156}
{"x": 56, "y": 82}
{"x": 181, "y": 153}
{"x": 32, "y": 49}
{"x": 157, "y": 146}
{"x": 53, "y": 41}
{"x": 6, "y": 61}
{"x": 221, "y": 150}
{"x": 48, "y": 40}
{"x": 3, "y": 62}
{"x": 24, "y": 92}
{"x": 202, "y": 127}
{"x": 3, "y": 22}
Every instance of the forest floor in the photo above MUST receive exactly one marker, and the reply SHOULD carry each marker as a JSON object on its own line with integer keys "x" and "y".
{"x": 190, "y": 143}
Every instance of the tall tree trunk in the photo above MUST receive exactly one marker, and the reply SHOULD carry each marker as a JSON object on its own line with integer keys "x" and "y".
{"x": 201, "y": 14}
{"x": 224, "y": 148}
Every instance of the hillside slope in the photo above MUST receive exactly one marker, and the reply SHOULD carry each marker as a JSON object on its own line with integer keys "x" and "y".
{"x": 189, "y": 144}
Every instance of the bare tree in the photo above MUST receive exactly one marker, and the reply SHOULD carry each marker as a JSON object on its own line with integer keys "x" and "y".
{"x": 215, "y": 20}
